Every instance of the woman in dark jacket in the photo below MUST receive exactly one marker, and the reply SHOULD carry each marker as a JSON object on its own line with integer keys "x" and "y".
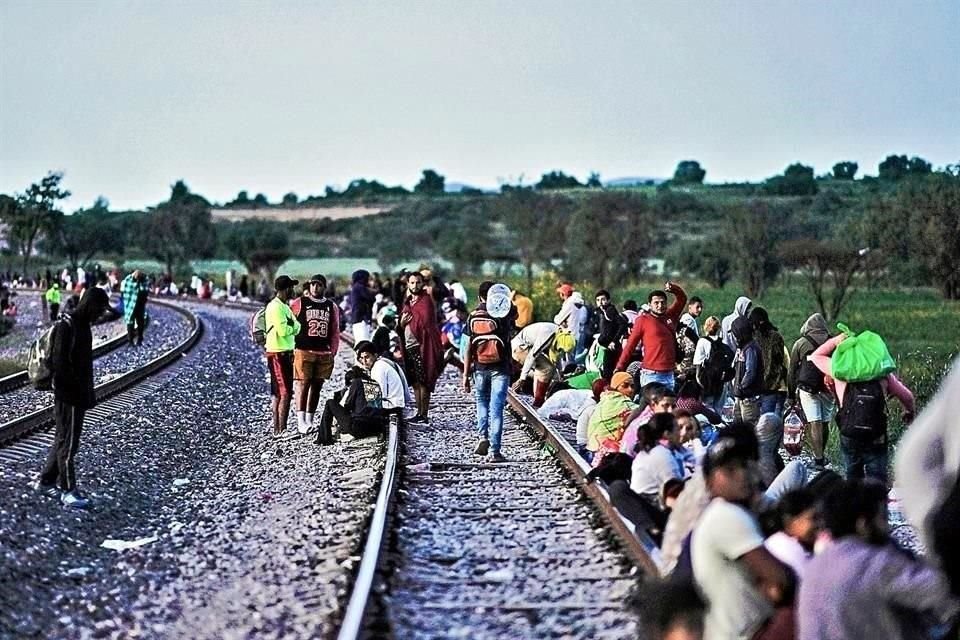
{"x": 71, "y": 359}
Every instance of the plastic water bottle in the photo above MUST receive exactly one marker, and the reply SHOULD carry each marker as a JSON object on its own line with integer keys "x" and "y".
{"x": 727, "y": 413}
{"x": 793, "y": 433}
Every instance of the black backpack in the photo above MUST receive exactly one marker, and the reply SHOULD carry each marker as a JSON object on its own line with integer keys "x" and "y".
{"x": 809, "y": 377}
{"x": 716, "y": 369}
{"x": 863, "y": 415}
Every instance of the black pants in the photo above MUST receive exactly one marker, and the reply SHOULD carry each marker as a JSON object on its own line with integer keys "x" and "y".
{"x": 359, "y": 427}
{"x": 60, "y": 469}
{"x": 54, "y": 311}
{"x": 137, "y": 325}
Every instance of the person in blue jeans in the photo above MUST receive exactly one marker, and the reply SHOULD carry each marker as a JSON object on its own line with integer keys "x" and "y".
{"x": 487, "y": 360}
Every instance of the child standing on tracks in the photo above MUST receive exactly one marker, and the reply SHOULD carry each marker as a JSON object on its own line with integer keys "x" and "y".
{"x": 71, "y": 360}
{"x": 488, "y": 331}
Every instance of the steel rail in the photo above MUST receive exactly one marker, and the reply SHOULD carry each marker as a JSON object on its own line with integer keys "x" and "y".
{"x": 31, "y": 422}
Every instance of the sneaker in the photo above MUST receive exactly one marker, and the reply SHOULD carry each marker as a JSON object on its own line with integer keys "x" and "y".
{"x": 820, "y": 464}
{"x": 417, "y": 420}
{"x": 495, "y": 457}
{"x": 303, "y": 428}
{"x": 49, "y": 490}
{"x": 74, "y": 500}
{"x": 482, "y": 447}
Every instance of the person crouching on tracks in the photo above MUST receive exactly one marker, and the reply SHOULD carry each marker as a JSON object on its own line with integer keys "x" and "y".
{"x": 487, "y": 360}
{"x": 531, "y": 348}
{"x": 281, "y": 328}
{"x": 359, "y": 407}
{"x": 71, "y": 360}
{"x": 315, "y": 346}
{"x": 133, "y": 291}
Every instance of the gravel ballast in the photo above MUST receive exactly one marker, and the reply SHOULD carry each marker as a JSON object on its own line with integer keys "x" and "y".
{"x": 509, "y": 550}
{"x": 253, "y": 537}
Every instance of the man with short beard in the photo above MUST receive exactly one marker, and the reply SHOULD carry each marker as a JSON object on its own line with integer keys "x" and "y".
{"x": 656, "y": 331}
{"x": 315, "y": 346}
{"x": 422, "y": 348}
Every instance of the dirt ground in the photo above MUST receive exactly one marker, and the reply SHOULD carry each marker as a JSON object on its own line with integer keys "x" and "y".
{"x": 299, "y": 213}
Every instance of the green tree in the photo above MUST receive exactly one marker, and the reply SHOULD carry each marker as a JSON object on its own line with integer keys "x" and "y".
{"x": 689, "y": 172}
{"x": 242, "y": 200}
{"x": 536, "y": 226}
{"x": 896, "y": 167}
{"x": 290, "y": 199}
{"x": 845, "y": 170}
{"x": 609, "y": 238}
{"x": 708, "y": 259}
{"x": 927, "y": 212}
{"x": 797, "y": 180}
{"x": 179, "y": 230}
{"x": 32, "y": 215}
{"x": 752, "y": 231}
{"x": 88, "y": 233}
{"x": 593, "y": 182}
{"x": 261, "y": 245}
{"x": 831, "y": 269}
{"x": 557, "y": 180}
{"x": 260, "y": 200}
{"x": 432, "y": 183}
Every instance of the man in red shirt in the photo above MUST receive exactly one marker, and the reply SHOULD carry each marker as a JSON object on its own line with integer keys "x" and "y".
{"x": 656, "y": 331}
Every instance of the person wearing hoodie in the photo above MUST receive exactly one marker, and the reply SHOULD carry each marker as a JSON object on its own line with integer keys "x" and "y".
{"x": 71, "y": 360}
{"x": 747, "y": 383}
{"x": 741, "y": 309}
{"x": 361, "y": 306}
{"x": 806, "y": 385}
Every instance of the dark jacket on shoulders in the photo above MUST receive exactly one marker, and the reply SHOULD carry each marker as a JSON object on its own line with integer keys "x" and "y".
{"x": 71, "y": 358}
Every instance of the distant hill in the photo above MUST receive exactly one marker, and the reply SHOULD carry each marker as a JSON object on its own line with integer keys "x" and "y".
{"x": 632, "y": 181}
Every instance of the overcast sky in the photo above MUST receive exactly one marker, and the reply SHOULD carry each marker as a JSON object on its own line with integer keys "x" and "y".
{"x": 127, "y": 97}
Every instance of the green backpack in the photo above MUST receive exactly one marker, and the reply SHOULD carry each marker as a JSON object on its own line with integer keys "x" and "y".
{"x": 861, "y": 357}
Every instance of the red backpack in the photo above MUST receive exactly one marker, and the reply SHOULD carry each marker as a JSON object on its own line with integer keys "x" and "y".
{"x": 487, "y": 345}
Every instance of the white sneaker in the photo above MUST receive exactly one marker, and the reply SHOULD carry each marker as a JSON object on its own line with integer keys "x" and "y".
{"x": 303, "y": 428}
{"x": 74, "y": 500}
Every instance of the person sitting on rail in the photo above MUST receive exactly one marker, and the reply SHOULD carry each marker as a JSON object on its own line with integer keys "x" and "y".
{"x": 586, "y": 412}
{"x": 749, "y": 591}
{"x": 861, "y": 585}
{"x": 689, "y": 430}
{"x": 394, "y": 390}
{"x": 798, "y": 522}
{"x": 315, "y": 347}
{"x": 660, "y": 461}
{"x": 358, "y": 407}
{"x": 658, "y": 399}
{"x": 606, "y": 426}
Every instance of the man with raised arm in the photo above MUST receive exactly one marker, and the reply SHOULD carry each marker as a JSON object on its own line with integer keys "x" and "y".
{"x": 656, "y": 331}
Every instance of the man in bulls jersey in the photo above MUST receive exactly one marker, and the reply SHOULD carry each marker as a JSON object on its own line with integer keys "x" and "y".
{"x": 315, "y": 346}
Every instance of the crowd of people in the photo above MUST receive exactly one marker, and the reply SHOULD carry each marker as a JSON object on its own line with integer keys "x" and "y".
{"x": 682, "y": 421}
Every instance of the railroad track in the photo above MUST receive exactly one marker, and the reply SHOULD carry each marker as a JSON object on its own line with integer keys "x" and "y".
{"x": 20, "y": 379}
{"x": 458, "y": 547}
{"x": 33, "y": 421}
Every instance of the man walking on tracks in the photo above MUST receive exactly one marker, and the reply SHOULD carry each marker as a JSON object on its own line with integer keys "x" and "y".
{"x": 488, "y": 359}
{"x": 281, "y": 328}
{"x": 422, "y": 350}
{"x": 133, "y": 291}
{"x": 315, "y": 345}
{"x": 71, "y": 361}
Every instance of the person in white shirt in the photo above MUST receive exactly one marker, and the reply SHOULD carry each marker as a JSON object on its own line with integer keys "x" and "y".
{"x": 793, "y": 545}
{"x": 393, "y": 384}
{"x": 653, "y": 466}
{"x": 747, "y": 588}
{"x": 689, "y": 319}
